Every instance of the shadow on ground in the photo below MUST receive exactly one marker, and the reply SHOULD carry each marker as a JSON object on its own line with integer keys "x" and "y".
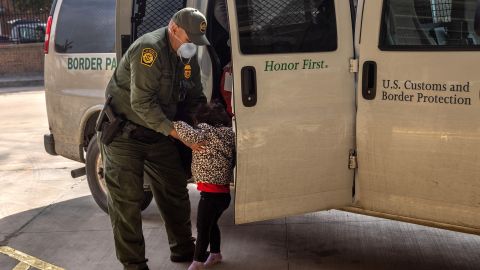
{"x": 76, "y": 234}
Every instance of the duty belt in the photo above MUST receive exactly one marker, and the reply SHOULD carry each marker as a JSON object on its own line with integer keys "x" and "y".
{"x": 141, "y": 133}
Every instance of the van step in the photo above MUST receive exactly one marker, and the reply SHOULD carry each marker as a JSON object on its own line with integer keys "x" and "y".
{"x": 78, "y": 172}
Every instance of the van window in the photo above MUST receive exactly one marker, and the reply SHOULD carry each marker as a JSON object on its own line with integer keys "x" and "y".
{"x": 157, "y": 15}
{"x": 429, "y": 25}
{"x": 86, "y": 26}
{"x": 286, "y": 26}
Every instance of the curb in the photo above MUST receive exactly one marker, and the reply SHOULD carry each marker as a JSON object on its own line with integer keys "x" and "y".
{"x": 21, "y": 82}
{"x": 13, "y": 90}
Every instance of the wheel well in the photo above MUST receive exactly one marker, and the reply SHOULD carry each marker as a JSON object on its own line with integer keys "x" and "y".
{"x": 89, "y": 130}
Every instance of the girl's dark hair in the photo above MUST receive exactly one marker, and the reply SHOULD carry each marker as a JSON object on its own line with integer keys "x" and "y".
{"x": 213, "y": 114}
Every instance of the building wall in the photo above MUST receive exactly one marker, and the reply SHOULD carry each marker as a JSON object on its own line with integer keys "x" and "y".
{"x": 7, "y": 5}
{"x": 21, "y": 59}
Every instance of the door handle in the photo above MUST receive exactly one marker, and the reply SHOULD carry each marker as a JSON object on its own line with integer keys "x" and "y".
{"x": 249, "y": 86}
{"x": 369, "y": 83}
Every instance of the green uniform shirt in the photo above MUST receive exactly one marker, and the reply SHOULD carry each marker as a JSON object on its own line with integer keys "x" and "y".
{"x": 150, "y": 81}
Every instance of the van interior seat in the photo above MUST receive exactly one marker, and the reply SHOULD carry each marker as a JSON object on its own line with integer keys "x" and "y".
{"x": 219, "y": 51}
{"x": 216, "y": 73}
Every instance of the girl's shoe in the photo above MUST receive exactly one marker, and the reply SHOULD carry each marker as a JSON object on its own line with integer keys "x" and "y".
{"x": 213, "y": 259}
{"x": 196, "y": 266}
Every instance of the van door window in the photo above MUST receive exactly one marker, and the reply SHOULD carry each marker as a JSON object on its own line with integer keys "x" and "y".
{"x": 86, "y": 26}
{"x": 429, "y": 25}
{"x": 154, "y": 14}
{"x": 286, "y": 26}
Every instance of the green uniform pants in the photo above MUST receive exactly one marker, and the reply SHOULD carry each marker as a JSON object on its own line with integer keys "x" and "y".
{"x": 125, "y": 161}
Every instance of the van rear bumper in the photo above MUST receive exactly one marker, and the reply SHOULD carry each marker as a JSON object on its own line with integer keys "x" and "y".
{"x": 49, "y": 144}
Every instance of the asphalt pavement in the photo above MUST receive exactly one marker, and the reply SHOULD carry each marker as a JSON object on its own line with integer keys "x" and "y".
{"x": 49, "y": 221}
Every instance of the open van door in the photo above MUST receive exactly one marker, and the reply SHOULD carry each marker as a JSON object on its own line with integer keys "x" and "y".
{"x": 418, "y": 121}
{"x": 294, "y": 106}
{"x": 135, "y": 18}
{"x": 477, "y": 18}
{"x": 123, "y": 27}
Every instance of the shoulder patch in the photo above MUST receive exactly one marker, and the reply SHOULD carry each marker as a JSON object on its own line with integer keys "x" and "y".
{"x": 149, "y": 56}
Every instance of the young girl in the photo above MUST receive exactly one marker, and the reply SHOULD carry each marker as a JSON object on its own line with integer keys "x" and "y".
{"x": 212, "y": 170}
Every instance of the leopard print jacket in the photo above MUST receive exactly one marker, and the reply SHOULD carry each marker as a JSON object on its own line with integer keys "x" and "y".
{"x": 214, "y": 165}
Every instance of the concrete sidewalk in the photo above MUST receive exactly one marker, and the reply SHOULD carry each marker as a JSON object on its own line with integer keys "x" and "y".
{"x": 75, "y": 234}
{"x": 11, "y": 90}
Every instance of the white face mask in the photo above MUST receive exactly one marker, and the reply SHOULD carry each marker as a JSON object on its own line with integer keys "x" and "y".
{"x": 186, "y": 50}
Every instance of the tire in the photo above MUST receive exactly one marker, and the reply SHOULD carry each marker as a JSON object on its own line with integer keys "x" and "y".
{"x": 96, "y": 181}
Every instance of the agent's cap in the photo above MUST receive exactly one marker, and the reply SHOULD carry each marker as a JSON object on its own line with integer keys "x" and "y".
{"x": 194, "y": 23}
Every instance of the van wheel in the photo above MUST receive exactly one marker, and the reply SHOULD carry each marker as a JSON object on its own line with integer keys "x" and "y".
{"x": 96, "y": 180}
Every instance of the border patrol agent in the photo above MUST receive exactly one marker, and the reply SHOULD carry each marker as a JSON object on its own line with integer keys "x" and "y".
{"x": 157, "y": 80}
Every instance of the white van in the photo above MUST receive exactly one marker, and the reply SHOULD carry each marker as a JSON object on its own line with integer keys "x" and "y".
{"x": 79, "y": 61}
{"x": 320, "y": 87}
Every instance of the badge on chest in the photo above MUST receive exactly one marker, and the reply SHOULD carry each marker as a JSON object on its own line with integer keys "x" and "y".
{"x": 187, "y": 71}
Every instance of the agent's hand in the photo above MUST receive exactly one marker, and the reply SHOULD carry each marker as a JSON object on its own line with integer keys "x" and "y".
{"x": 174, "y": 134}
{"x": 196, "y": 147}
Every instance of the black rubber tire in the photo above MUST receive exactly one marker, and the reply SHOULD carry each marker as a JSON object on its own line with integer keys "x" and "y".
{"x": 94, "y": 178}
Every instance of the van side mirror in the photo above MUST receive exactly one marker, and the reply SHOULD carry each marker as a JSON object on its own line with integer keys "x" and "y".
{"x": 477, "y": 19}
